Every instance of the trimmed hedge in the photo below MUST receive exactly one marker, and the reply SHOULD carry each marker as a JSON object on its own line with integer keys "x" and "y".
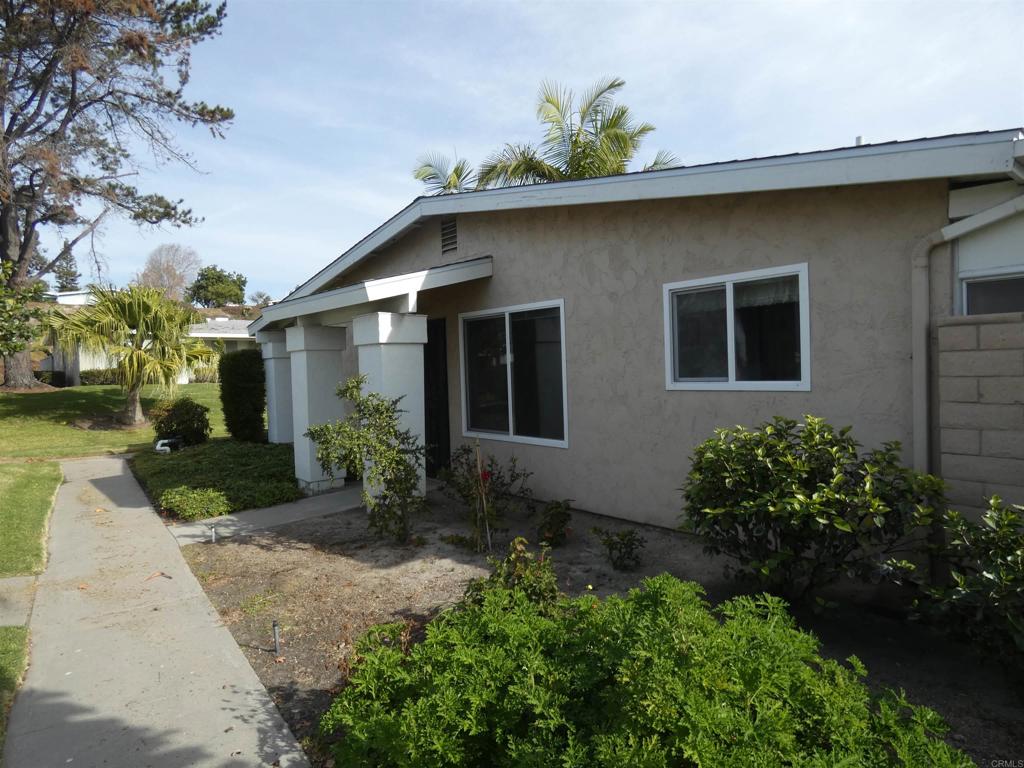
{"x": 184, "y": 418}
{"x": 243, "y": 394}
{"x": 98, "y": 376}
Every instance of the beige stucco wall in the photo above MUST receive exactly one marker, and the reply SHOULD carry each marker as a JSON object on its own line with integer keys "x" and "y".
{"x": 629, "y": 438}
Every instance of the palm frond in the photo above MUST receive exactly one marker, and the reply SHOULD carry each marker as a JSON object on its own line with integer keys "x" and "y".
{"x": 514, "y": 165}
{"x": 443, "y": 177}
{"x": 662, "y": 161}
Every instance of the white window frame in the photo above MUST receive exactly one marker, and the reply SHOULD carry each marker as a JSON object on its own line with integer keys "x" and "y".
{"x": 510, "y": 437}
{"x": 984, "y": 276}
{"x": 727, "y": 282}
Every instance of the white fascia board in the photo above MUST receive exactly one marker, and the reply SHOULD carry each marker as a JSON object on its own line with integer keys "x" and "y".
{"x": 209, "y": 335}
{"x": 987, "y": 154}
{"x": 375, "y": 290}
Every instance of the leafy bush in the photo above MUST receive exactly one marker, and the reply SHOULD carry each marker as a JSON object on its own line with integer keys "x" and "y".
{"x": 248, "y": 475}
{"x": 371, "y": 443}
{"x": 184, "y": 418}
{"x": 98, "y": 376}
{"x": 654, "y": 679}
{"x": 243, "y": 394}
{"x": 195, "y": 503}
{"x": 985, "y": 601}
{"x": 554, "y": 523}
{"x": 623, "y": 547}
{"x": 532, "y": 575}
{"x": 485, "y": 488}
{"x": 797, "y": 506}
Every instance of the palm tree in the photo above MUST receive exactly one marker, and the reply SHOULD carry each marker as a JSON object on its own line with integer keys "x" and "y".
{"x": 141, "y": 331}
{"x": 442, "y": 176}
{"x": 595, "y": 137}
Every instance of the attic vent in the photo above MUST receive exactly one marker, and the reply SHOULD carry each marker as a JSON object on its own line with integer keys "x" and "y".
{"x": 449, "y": 236}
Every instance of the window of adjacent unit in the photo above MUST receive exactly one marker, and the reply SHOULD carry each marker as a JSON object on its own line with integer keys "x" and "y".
{"x": 993, "y": 294}
{"x": 513, "y": 379}
{"x": 743, "y": 331}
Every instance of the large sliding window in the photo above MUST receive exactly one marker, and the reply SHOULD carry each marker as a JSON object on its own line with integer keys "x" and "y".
{"x": 513, "y": 380}
{"x": 744, "y": 331}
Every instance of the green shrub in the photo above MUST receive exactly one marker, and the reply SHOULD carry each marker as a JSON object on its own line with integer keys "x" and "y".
{"x": 797, "y": 506}
{"x": 207, "y": 372}
{"x": 486, "y": 488}
{"x": 533, "y": 575}
{"x": 650, "y": 680}
{"x": 622, "y": 547}
{"x": 554, "y": 523}
{"x": 182, "y": 417}
{"x": 98, "y": 376}
{"x": 249, "y": 475}
{"x": 371, "y": 443}
{"x": 195, "y": 503}
{"x": 243, "y": 394}
{"x": 985, "y": 601}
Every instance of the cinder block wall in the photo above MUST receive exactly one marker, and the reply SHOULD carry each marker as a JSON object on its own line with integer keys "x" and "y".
{"x": 981, "y": 408}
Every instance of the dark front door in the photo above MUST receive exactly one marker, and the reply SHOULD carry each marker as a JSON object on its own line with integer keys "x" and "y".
{"x": 435, "y": 383}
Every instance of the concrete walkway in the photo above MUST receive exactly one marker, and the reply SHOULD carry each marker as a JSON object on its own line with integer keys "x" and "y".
{"x": 130, "y": 666}
{"x": 240, "y": 523}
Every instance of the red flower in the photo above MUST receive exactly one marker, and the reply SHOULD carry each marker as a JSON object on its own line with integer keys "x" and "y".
{"x": 485, "y": 476}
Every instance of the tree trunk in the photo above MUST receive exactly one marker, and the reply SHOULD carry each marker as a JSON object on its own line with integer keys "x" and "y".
{"x": 132, "y": 413}
{"x": 18, "y": 370}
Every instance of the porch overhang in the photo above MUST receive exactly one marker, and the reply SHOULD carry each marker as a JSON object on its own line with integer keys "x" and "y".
{"x": 337, "y": 305}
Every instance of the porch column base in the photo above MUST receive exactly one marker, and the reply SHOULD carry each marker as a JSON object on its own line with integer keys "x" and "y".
{"x": 390, "y": 348}
{"x": 316, "y": 371}
{"x": 277, "y": 368}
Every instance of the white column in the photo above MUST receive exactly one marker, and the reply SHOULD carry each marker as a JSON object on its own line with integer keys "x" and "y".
{"x": 316, "y": 371}
{"x": 277, "y": 367}
{"x": 390, "y": 348}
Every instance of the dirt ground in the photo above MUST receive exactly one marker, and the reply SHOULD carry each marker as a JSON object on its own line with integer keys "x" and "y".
{"x": 328, "y": 579}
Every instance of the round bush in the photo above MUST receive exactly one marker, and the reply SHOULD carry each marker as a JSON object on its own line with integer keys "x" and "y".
{"x": 194, "y": 503}
{"x": 656, "y": 679}
{"x": 798, "y": 506}
{"x": 243, "y": 394}
{"x": 183, "y": 418}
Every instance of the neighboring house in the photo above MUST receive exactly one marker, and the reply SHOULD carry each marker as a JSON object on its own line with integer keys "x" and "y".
{"x": 220, "y": 333}
{"x": 600, "y": 329}
{"x": 70, "y": 298}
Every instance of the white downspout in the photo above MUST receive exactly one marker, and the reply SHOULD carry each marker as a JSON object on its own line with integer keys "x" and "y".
{"x": 920, "y": 313}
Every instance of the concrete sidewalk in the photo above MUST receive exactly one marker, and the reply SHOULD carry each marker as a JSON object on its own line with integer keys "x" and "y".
{"x": 252, "y": 520}
{"x": 130, "y": 666}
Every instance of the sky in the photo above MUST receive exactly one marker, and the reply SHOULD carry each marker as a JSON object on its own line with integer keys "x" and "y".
{"x": 335, "y": 101}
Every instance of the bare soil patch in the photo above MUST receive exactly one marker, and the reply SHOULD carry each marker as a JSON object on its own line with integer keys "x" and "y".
{"x": 327, "y": 580}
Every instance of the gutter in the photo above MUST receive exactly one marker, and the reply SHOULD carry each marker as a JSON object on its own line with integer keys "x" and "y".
{"x": 920, "y": 313}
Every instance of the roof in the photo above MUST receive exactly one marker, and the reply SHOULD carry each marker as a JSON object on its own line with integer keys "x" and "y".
{"x": 965, "y": 156}
{"x": 220, "y": 329}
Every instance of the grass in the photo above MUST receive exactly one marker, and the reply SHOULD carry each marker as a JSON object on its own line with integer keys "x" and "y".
{"x": 13, "y": 655}
{"x": 244, "y": 475}
{"x": 26, "y": 496}
{"x": 40, "y": 424}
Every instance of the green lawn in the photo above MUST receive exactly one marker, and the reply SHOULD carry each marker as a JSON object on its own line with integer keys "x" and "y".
{"x": 13, "y": 655}
{"x": 40, "y": 424}
{"x": 239, "y": 475}
{"x": 26, "y": 495}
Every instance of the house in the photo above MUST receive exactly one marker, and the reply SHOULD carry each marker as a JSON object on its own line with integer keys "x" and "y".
{"x": 600, "y": 329}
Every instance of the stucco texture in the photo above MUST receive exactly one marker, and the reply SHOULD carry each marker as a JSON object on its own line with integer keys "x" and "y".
{"x": 629, "y": 438}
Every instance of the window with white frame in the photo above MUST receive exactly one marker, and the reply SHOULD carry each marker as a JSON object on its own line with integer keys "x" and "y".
{"x": 749, "y": 330}
{"x": 990, "y": 266}
{"x": 513, "y": 377}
